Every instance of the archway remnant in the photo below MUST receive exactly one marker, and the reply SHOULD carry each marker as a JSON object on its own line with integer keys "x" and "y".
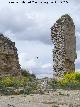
{"x": 64, "y": 40}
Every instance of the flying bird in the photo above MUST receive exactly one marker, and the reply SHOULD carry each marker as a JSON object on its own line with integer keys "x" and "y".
{"x": 37, "y": 57}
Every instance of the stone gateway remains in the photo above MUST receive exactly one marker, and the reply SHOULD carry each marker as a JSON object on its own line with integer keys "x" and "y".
{"x": 9, "y": 64}
{"x": 64, "y": 52}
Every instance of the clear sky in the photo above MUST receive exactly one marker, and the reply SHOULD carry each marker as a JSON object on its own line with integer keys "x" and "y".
{"x": 29, "y": 26}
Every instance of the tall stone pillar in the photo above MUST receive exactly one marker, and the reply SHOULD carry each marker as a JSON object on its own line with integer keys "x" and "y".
{"x": 64, "y": 40}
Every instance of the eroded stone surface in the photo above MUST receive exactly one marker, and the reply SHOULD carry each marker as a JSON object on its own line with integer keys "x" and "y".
{"x": 64, "y": 52}
{"x": 9, "y": 63}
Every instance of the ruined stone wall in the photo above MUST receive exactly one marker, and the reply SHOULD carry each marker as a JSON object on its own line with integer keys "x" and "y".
{"x": 9, "y": 63}
{"x": 64, "y": 40}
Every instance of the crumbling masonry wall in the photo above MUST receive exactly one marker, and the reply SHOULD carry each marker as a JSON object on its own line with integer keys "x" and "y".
{"x": 9, "y": 63}
{"x": 64, "y": 40}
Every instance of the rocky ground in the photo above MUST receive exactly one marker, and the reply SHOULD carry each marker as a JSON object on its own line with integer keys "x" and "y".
{"x": 59, "y": 98}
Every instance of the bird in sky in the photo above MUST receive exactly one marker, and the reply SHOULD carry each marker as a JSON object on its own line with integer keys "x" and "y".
{"x": 37, "y": 57}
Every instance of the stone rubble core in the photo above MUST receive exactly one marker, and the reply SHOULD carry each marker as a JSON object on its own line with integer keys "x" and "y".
{"x": 9, "y": 63}
{"x": 64, "y": 40}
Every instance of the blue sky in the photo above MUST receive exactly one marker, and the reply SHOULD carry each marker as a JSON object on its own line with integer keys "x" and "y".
{"x": 29, "y": 26}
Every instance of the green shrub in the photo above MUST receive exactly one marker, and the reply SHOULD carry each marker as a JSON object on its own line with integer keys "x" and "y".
{"x": 7, "y": 81}
{"x": 11, "y": 85}
{"x": 77, "y": 77}
{"x": 25, "y": 73}
{"x": 54, "y": 84}
{"x": 70, "y": 81}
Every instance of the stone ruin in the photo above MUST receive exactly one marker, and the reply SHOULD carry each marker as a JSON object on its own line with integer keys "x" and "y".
{"x": 9, "y": 63}
{"x": 64, "y": 40}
